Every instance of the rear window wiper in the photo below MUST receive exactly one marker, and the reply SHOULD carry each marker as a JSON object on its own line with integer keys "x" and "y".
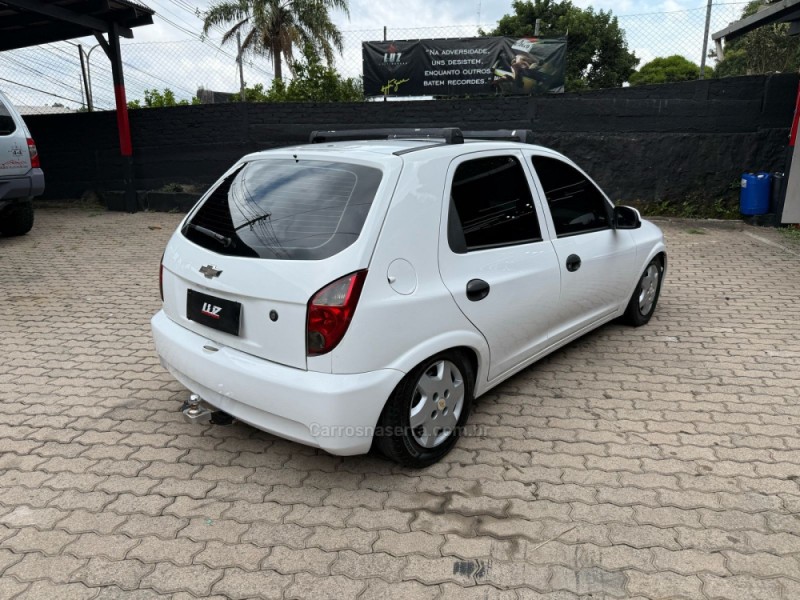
{"x": 222, "y": 239}
{"x": 253, "y": 221}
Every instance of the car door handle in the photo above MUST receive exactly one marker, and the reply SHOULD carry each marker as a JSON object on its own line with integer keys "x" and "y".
{"x": 477, "y": 289}
{"x": 573, "y": 263}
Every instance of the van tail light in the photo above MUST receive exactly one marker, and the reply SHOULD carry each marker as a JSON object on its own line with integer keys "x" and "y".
{"x": 161, "y": 278}
{"x": 330, "y": 311}
{"x": 35, "y": 164}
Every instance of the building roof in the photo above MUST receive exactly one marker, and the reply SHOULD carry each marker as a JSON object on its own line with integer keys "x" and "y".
{"x": 26, "y": 109}
{"x": 34, "y": 22}
{"x": 785, "y": 11}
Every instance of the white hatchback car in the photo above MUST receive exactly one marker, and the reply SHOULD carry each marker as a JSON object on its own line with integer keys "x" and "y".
{"x": 345, "y": 293}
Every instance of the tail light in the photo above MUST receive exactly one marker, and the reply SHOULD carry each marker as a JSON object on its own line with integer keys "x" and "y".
{"x": 35, "y": 164}
{"x": 330, "y": 311}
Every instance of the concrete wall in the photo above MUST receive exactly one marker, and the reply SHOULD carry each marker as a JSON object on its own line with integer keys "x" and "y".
{"x": 667, "y": 142}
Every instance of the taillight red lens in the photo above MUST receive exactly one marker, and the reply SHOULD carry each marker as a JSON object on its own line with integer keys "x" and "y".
{"x": 35, "y": 164}
{"x": 330, "y": 311}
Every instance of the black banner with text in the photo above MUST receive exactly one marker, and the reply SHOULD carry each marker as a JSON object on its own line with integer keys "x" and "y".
{"x": 463, "y": 67}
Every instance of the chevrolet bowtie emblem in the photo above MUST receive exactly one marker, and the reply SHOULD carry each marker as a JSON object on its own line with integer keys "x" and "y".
{"x": 210, "y": 272}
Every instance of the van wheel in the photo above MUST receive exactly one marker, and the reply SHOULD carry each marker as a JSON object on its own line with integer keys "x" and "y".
{"x": 17, "y": 218}
{"x": 643, "y": 302}
{"x": 423, "y": 417}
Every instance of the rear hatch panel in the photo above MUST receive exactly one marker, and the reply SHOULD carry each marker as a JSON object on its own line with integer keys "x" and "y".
{"x": 273, "y": 290}
{"x": 260, "y": 286}
{"x": 15, "y": 160}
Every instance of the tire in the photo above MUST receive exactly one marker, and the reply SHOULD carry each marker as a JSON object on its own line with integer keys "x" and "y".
{"x": 643, "y": 302}
{"x": 436, "y": 396}
{"x": 17, "y": 218}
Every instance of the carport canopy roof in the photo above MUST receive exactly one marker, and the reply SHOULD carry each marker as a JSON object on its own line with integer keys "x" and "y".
{"x": 785, "y": 11}
{"x": 33, "y": 22}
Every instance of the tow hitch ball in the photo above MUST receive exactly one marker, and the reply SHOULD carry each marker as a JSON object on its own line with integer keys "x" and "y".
{"x": 196, "y": 411}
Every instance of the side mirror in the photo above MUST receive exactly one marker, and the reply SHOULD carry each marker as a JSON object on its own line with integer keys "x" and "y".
{"x": 626, "y": 217}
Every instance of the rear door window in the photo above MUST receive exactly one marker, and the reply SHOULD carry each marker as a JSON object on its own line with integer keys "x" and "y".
{"x": 7, "y": 124}
{"x": 491, "y": 206}
{"x": 286, "y": 209}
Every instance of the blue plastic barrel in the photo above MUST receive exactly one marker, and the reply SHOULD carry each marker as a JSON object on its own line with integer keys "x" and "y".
{"x": 754, "y": 197}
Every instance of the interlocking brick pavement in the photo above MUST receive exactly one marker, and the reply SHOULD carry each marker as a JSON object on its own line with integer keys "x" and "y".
{"x": 660, "y": 462}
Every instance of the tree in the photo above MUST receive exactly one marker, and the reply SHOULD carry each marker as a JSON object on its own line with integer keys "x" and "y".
{"x": 667, "y": 70}
{"x": 597, "y": 52}
{"x": 156, "y": 99}
{"x": 765, "y": 50}
{"x": 313, "y": 81}
{"x": 256, "y": 93}
{"x": 274, "y": 27}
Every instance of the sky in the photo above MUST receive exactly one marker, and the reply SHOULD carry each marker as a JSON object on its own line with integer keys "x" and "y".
{"x": 374, "y": 14}
{"x": 169, "y": 53}
{"x": 408, "y": 14}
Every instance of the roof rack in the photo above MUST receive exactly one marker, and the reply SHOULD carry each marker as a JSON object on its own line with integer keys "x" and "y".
{"x": 450, "y": 135}
{"x": 512, "y": 135}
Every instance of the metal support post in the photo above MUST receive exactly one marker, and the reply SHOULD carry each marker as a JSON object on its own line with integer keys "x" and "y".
{"x": 705, "y": 41}
{"x": 85, "y": 77}
{"x": 112, "y": 49}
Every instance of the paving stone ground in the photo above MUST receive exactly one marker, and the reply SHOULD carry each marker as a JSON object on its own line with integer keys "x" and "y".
{"x": 660, "y": 462}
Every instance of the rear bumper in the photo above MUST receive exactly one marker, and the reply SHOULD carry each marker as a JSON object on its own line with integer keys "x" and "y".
{"x": 336, "y": 413}
{"x": 37, "y": 182}
{"x": 27, "y": 186}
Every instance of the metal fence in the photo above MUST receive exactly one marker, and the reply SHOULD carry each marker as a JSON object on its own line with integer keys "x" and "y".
{"x": 48, "y": 78}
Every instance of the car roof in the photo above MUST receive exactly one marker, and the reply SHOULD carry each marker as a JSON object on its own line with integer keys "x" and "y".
{"x": 407, "y": 147}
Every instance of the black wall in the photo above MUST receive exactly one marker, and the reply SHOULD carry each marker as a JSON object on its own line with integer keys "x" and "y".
{"x": 666, "y": 142}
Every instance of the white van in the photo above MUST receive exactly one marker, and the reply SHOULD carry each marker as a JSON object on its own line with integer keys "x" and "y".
{"x": 21, "y": 176}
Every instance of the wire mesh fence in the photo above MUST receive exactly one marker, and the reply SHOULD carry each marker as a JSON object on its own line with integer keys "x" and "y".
{"x": 655, "y": 34}
{"x": 49, "y": 78}
{"x": 43, "y": 76}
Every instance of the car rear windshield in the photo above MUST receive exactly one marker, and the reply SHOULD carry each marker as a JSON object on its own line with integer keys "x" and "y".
{"x": 7, "y": 124}
{"x": 286, "y": 209}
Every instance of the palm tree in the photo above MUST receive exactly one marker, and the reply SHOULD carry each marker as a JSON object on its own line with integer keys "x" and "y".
{"x": 273, "y": 27}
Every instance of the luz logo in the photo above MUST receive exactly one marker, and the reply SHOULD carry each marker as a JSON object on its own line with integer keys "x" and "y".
{"x": 391, "y": 58}
{"x": 211, "y": 311}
